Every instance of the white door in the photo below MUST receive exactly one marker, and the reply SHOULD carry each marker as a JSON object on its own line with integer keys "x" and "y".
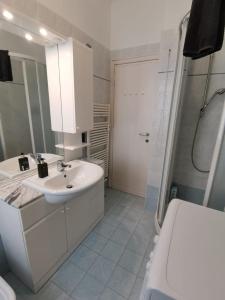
{"x": 135, "y": 94}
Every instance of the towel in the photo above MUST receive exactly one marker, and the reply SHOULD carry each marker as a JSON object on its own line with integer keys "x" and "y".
{"x": 205, "y": 30}
{"x": 5, "y": 66}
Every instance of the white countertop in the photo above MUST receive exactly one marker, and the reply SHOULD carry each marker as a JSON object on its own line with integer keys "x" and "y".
{"x": 15, "y": 193}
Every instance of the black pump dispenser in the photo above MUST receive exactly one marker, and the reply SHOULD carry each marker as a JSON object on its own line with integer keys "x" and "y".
{"x": 42, "y": 168}
{"x": 23, "y": 163}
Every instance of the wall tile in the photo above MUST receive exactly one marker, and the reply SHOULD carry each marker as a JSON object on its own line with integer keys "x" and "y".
{"x": 141, "y": 51}
{"x": 199, "y": 66}
{"x": 152, "y": 198}
{"x": 185, "y": 173}
{"x": 168, "y": 59}
{"x": 218, "y": 65}
{"x": 101, "y": 91}
{"x": 190, "y": 194}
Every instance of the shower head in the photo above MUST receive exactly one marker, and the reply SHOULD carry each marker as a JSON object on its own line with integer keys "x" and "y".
{"x": 217, "y": 92}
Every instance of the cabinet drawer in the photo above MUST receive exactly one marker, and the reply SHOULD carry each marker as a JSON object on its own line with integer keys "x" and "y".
{"x": 35, "y": 211}
{"x": 46, "y": 243}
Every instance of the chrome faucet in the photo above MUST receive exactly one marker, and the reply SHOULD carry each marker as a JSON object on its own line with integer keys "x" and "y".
{"x": 61, "y": 165}
{"x": 35, "y": 156}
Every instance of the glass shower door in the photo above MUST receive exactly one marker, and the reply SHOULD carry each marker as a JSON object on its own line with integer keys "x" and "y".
{"x": 215, "y": 191}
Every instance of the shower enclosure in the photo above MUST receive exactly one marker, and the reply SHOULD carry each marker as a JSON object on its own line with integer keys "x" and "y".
{"x": 194, "y": 165}
{"x": 24, "y": 110}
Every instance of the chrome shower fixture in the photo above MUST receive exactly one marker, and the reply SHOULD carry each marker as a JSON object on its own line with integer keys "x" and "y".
{"x": 204, "y": 107}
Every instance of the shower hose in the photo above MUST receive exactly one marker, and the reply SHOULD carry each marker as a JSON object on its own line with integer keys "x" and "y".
{"x": 201, "y": 115}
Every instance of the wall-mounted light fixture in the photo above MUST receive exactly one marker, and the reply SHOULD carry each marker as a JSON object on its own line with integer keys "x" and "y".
{"x": 43, "y": 31}
{"x": 28, "y": 36}
{"x": 7, "y": 15}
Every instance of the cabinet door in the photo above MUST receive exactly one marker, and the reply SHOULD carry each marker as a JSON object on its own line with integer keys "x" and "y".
{"x": 83, "y": 77}
{"x": 77, "y": 219}
{"x": 83, "y": 212}
{"x": 46, "y": 243}
{"x": 96, "y": 206}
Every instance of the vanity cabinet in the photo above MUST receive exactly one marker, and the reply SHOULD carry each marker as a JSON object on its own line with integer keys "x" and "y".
{"x": 39, "y": 237}
{"x": 70, "y": 84}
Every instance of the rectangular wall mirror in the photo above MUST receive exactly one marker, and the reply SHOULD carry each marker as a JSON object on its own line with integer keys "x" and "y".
{"x": 25, "y": 125}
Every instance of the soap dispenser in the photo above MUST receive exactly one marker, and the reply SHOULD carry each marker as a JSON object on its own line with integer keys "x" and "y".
{"x": 42, "y": 168}
{"x": 23, "y": 162}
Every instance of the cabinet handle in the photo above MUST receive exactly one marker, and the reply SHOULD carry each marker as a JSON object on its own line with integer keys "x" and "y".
{"x": 62, "y": 211}
{"x": 67, "y": 208}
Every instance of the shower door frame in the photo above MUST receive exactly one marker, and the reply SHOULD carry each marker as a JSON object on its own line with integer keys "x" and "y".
{"x": 215, "y": 159}
{"x": 173, "y": 127}
{"x": 171, "y": 137}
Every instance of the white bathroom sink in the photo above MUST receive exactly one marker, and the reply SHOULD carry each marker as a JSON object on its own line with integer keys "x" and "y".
{"x": 60, "y": 187}
{"x": 6, "y": 292}
{"x": 10, "y": 167}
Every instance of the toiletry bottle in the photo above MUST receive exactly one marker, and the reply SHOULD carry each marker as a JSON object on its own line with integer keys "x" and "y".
{"x": 42, "y": 168}
{"x": 23, "y": 163}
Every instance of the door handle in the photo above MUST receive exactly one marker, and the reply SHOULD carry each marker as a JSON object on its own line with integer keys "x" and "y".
{"x": 144, "y": 134}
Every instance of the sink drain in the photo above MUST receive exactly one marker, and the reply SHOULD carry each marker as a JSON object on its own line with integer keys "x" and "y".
{"x": 69, "y": 186}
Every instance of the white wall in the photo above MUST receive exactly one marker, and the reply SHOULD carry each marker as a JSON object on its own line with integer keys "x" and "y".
{"x": 135, "y": 22}
{"x": 140, "y": 22}
{"x": 90, "y": 16}
{"x": 174, "y": 11}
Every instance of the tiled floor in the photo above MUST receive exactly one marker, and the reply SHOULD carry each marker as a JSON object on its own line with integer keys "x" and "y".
{"x": 110, "y": 262}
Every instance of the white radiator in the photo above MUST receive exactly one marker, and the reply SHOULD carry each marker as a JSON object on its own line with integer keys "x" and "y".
{"x": 99, "y": 136}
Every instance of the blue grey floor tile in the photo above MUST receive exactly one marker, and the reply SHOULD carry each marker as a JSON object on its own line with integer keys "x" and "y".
{"x": 119, "y": 210}
{"x": 88, "y": 289}
{"x": 112, "y": 251}
{"x": 136, "y": 291}
{"x": 148, "y": 219}
{"x": 145, "y": 232}
{"x": 51, "y": 292}
{"x": 142, "y": 270}
{"x": 128, "y": 224}
{"x": 112, "y": 219}
{"x": 105, "y": 229}
{"x": 138, "y": 243}
{"x": 126, "y": 201}
{"x": 122, "y": 281}
{"x": 109, "y": 294}
{"x": 131, "y": 261}
{"x": 121, "y": 236}
{"x": 95, "y": 242}
{"x": 138, "y": 203}
{"x": 68, "y": 277}
{"x": 83, "y": 257}
{"x": 134, "y": 215}
{"x": 102, "y": 269}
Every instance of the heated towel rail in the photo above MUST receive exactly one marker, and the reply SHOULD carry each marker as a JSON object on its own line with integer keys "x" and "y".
{"x": 99, "y": 137}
